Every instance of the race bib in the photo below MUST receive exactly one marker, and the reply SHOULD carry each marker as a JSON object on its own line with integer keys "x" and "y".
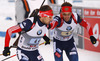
{"x": 66, "y": 33}
{"x": 34, "y": 41}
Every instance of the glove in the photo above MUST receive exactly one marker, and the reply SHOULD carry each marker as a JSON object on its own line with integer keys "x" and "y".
{"x": 93, "y": 39}
{"x": 47, "y": 40}
{"x": 6, "y": 51}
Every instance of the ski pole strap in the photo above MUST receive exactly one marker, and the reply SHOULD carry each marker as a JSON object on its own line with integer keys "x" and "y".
{"x": 42, "y": 43}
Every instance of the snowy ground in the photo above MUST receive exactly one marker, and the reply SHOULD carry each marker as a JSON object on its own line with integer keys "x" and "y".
{"x": 7, "y": 9}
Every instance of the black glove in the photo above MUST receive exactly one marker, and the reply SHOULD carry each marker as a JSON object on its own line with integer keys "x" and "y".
{"x": 6, "y": 51}
{"x": 47, "y": 40}
{"x": 93, "y": 39}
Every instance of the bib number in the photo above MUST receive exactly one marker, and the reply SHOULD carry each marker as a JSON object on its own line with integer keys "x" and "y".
{"x": 34, "y": 42}
{"x": 66, "y": 33}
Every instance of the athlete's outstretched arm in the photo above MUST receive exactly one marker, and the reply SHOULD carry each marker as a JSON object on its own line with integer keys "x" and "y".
{"x": 9, "y": 32}
{"x": 89, "y": 29}
{"x": 87, "y": 26}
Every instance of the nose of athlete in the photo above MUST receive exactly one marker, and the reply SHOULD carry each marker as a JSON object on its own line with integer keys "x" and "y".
{"x": 66, "y": 15}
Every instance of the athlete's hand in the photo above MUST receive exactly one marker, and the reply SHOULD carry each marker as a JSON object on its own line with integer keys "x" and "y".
{"x": 94, "y": 41}
{"x": 6, "y": 51}
{"x": 47, "y": 42}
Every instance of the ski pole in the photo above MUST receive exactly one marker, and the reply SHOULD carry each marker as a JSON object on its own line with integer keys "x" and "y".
{"x": 15, "y": 54}
{"x": 42, "y": 43}
{"x": 42, "y": 3}
{"x": 83, "y": 37}
{"x": 8, "y": 57}
{"x": 97, "y": 43}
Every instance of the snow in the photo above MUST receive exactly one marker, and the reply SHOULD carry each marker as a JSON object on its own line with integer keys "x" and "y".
{"x": 47, "y": 53}
{"x": 7, "y": 9}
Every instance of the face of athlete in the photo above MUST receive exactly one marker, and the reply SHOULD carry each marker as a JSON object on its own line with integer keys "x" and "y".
{"x": 66, "y": 15}
{"x": 47, "y": 20}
